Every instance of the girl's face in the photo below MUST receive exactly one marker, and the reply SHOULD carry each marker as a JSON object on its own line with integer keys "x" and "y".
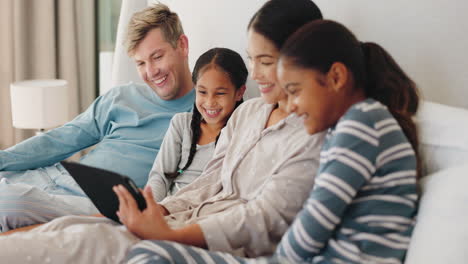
{"x": 309, "y": 96}
{"x": 216, "y": 96}
{"x": 263, "y": 58}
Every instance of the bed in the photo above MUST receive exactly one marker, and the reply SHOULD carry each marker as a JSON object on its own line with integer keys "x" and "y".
{"x": 441, "y": 233}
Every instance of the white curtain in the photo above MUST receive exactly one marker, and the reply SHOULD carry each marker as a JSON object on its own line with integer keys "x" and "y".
{"x": 46, "y": 39}
{"x": 123, "y": 68}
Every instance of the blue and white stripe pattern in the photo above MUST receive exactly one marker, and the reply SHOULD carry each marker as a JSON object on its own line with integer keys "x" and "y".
{"x": 364, "y": 201}
{"x": 166, "y": 252}
{"x": 361, "y": 210}
{"x": 171, "y": 252}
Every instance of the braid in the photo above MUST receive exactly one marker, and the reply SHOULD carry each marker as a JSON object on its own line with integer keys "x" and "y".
{"x": 196, "y": 133}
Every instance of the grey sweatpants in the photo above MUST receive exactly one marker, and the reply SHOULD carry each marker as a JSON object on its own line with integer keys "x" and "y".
{"x": 40, "y": 195}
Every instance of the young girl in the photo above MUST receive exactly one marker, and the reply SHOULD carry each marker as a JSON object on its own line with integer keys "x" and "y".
{"x": 363, "y": 205}
{"x": 219, "y": 76}
{"x": 364, "y": 202}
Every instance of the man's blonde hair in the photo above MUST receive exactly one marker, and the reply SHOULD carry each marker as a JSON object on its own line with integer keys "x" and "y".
{"x": 155, "y": 16}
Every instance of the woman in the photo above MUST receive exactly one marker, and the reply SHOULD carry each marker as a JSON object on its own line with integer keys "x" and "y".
{"x": 363, "y": 205}
{"x": 252, "y": 188}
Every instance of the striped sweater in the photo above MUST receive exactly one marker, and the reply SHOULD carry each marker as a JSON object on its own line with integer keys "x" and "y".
{"x": 363, "y": 204}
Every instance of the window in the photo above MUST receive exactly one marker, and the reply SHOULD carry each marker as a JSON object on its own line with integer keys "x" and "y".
{"x": 108, "y": 19}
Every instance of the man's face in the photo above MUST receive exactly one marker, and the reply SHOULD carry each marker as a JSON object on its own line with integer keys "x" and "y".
{"x": 162, "y": 66}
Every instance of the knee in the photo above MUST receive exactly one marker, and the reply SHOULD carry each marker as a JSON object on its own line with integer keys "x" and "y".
{"x": 15, "y": 199}
{"x": 18, "y": 207}
{"x": 11, "y": 201}
{"x": 12, "y": 215}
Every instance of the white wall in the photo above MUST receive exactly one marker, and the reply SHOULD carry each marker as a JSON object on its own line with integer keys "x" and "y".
{"x": 428, "y": 38}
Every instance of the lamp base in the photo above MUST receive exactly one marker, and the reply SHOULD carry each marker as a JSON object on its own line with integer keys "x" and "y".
{"x": 40, "y": 132}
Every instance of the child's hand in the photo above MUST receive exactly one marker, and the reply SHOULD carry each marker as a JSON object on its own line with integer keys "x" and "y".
{"x": 146, "y": 224}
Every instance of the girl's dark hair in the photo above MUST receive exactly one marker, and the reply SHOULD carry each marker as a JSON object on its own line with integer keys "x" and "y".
{"x": 276, "y": 20}
{"x": 233, "y": 65}
{"x": 319, "y": 44}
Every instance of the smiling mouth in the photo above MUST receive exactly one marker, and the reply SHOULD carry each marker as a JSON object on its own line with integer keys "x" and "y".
{"x": 265, "y": 88}
{"x": 160, "y": 80}
{"x": 212, "y": 113}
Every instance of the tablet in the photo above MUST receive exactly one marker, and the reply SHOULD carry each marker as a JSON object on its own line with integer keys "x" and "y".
{"x": 98, "y": 183}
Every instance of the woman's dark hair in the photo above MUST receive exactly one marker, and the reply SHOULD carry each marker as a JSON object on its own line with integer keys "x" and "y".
{"x": 319, "y": 44}
{"x": 276, "y": 20}
{"x": 231, "y": 63}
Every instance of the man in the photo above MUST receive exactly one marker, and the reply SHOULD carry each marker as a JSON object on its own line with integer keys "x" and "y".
{"x": 127, "y": 125}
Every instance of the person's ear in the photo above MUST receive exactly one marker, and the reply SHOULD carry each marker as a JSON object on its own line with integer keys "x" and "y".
{"x": 337, "y": 76}
{"x": 240, "y": 92}
{"x": 183, "y": 44}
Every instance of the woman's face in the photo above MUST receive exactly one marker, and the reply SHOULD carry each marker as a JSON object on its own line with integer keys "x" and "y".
{"x": 308, "y": 96}
{"x": 216, "y": 96}
{"x": 263, "y": 59}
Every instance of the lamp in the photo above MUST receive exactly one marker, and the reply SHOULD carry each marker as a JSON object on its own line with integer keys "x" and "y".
{"x": 39, "y": 104}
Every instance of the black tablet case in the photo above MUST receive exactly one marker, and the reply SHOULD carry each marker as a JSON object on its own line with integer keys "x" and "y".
{"x": 98, "y": 183}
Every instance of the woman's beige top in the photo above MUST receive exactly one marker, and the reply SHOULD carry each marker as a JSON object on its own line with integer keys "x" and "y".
{"x": 257, "y": 181}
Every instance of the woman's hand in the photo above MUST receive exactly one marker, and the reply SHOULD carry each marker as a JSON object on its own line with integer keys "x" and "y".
{"x": 150, "y": 223}
{"x": 146, "y": 224}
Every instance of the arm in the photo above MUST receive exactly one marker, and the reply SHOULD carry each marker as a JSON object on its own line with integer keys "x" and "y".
{"x": 168, "y": 158}
{"x": 209, "y": 182}
{"x": 339, "y": 180}
{"x": 57, "y": 144}
{"x": 203, "y": 187}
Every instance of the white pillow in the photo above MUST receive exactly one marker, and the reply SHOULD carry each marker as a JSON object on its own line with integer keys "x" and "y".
{"x": 443, "y": 135}
{"x": 441, "y": 232}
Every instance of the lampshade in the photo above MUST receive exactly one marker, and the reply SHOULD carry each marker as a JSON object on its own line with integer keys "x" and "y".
{"x": 39, "y": 104}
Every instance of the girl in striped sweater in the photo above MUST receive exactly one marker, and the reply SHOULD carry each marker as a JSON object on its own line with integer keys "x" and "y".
{"x": 363, "y": 205}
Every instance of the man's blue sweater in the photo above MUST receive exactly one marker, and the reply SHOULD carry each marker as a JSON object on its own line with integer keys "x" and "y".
{"x": 127, "y": 125}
